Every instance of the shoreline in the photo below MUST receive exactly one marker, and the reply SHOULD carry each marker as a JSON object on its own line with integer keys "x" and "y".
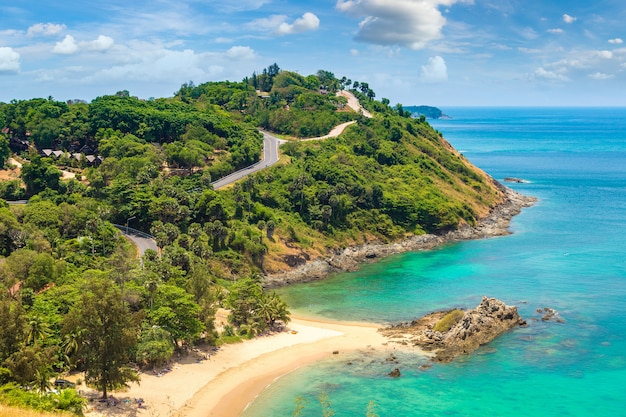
{"x": 231, "y": 379}
{"x": 495, "y": 224}
{"x": 226, "y": 383}
{"x": 230, "y": 393}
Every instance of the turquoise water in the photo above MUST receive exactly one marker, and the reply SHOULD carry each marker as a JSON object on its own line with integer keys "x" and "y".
{"x": 566, "y": 252}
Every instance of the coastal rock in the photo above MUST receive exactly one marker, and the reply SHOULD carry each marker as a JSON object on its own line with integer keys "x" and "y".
{"x": 474, "y": 328}
{"x": 395, "y": 373}
{"x": 516, "y": 180}
{"x": 550, "y": 314}
{"x": 349, "y": 259}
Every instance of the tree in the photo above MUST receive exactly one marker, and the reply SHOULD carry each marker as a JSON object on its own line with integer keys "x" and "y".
{"x": 272, "y": 309}
{"x": 39, "y": 175}
{"x": 243, "y": 301}
{"x": 107, "y": 331}
{"x": 155, "y": 346}
{"x": 176, "y": 312}
{"x": 4, "y": 151}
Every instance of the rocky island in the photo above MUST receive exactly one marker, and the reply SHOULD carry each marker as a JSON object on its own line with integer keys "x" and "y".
{"x": 448, "y": 334}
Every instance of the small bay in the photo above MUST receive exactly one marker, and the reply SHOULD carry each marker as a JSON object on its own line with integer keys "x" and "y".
{"x": 567, "y": 252}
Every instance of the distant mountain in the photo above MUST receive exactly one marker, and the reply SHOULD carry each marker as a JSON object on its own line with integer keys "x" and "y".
{"x": 428, "y": 111}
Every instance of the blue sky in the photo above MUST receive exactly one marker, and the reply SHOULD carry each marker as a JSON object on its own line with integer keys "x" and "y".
{"x": 436, "y": 52}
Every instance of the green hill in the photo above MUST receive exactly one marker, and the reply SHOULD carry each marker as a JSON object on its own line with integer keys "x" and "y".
{"x": 385, "y": 178}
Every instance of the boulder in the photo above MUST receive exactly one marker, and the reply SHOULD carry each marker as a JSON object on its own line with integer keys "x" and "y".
{"x": 476, "y": 327}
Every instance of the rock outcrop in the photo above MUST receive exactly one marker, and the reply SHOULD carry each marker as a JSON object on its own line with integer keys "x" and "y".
{"x": 306, "y": 269}
{"x": 474, "y": 328}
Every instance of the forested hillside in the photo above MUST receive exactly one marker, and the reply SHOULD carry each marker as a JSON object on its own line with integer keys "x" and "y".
{"x": 149, "y": 164}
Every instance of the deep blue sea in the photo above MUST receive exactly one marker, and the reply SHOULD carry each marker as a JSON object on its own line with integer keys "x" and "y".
{"x": 567, "y": 252}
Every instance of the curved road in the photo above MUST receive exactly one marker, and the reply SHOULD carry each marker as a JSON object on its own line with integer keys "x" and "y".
{"x": 271, "y": 144}
{"x": 140, "y": 239}
{"x": 270, "y": 157}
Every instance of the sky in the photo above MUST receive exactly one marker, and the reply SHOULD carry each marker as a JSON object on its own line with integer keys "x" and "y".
{"x": 414, "y": 52}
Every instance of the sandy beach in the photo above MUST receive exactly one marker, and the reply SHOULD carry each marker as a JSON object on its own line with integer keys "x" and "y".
{"x": 227, "y": 381}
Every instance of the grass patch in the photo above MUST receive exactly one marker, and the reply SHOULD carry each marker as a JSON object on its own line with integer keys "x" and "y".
{"x": 449, "y": 320}
{"x": 7, "y": 411}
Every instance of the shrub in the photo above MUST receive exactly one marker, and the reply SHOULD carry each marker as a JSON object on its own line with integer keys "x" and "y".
{"x": 450, "y": 319}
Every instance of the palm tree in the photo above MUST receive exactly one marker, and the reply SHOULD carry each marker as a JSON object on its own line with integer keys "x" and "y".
{"x": 42, "y": 380}
{"x": 37, "y": 329}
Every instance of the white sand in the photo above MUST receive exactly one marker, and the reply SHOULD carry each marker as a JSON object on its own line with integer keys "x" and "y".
{"x": 229, "y": 380}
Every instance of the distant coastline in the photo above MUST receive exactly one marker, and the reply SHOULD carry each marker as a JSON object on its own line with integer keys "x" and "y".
{"x": 349, "y": 259}
{"x": 429, "y": 112}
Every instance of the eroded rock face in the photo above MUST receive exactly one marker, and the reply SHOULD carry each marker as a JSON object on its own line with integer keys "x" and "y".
{"x": 476, "y": 327}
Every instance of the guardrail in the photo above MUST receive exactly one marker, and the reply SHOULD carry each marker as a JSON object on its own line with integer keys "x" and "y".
{"x": 130, "y": 231}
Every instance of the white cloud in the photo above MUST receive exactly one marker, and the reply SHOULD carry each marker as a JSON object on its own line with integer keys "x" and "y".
{"x": 550, "y": 75}
{"x": 616, "y": 41}
{"x": 604, "y": 54}
{"x": 149, "y": 63}
{"x": 267, "y": 24}
{"x": 67, "y": 46}
{"x": 600, "y": 76}
{"x": 435, "y": 71}
{"x": 102, "y": 43}
{"x": 555, "y": 31}
{"x": 569, "y": 19}
{"x": 307, "y": 22}
{"x": 277, "y": 24}
{"x": 241, "y": 52}
{"x": 9, "y": 60}
{"x": 397, "y": 22}
{"x": 354, "y": 52}
{"x": 46, "y": 29}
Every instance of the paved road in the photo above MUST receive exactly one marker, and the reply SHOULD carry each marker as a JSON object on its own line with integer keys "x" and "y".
{"x": 270, "y": 157}
{"x": 271, "y": 144}
{"x": 142, "y": 243}
{"x": 141, "y": 240}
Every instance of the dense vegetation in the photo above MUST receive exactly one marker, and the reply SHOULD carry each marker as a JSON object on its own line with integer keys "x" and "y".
{"x": 427, "y": 111}
{"x": 73, "y": 295}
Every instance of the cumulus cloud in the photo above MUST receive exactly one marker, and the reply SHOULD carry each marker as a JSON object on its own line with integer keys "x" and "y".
{"x": 569, "y": 19}
{"x": 616, "y": 41}
{"x": 46, "y": 29}
{"x": 435, "y": 71}
{"x": 354, "y": 52}
{"x": 102, "y": 43}
{"x": 9, "y": 60}
{"x": 600, "y": 76}
{"x": 307, "y": 22}
{"x": 408, "y": 23}
{"x": 67, "y": 46}
{"x": 241, "y": 53}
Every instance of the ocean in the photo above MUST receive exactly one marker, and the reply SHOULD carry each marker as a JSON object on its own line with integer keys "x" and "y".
{"x": 567, "y": 252}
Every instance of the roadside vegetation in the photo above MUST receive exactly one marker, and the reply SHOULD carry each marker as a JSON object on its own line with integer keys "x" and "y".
{"x": 74, "y": 296}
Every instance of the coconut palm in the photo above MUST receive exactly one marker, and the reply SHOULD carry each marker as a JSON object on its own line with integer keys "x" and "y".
{"x": 37, "y": 329}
